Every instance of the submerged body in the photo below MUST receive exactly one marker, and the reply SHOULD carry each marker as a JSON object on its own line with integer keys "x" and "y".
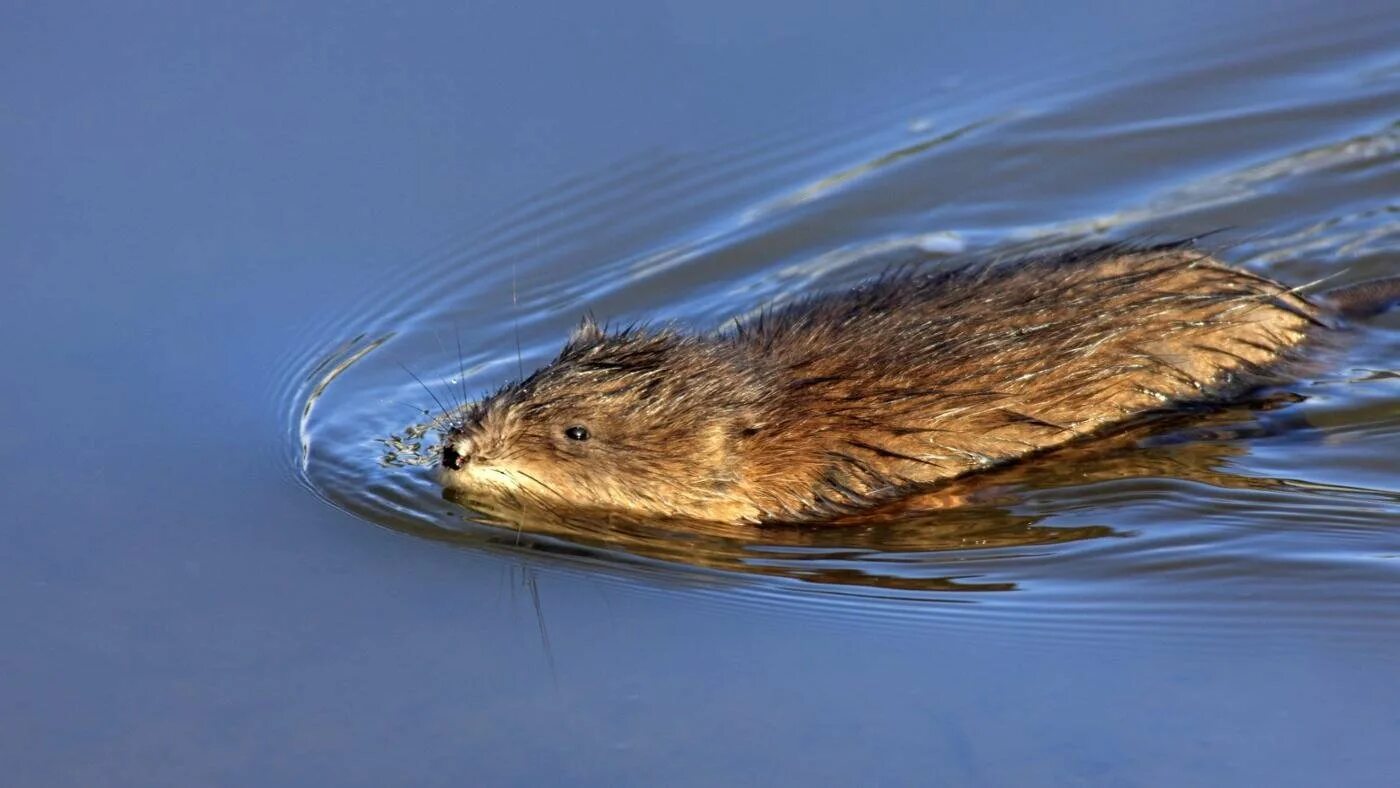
{"x": 844, "y": 401}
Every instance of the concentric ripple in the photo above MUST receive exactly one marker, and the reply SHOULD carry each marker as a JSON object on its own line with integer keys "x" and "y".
{"x": 1290, "y": 506}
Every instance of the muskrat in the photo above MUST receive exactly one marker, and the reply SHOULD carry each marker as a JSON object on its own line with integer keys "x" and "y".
{"x": 843, "y": 401}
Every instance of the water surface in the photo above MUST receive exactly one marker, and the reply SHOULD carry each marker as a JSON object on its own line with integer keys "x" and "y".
{"x": 229, "y": 230}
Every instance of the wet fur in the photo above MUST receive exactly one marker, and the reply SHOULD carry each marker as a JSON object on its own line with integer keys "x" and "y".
{"x": 846, "y": 400}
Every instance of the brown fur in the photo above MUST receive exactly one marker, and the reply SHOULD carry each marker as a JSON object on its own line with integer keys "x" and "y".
{"x": 843, "y": 401}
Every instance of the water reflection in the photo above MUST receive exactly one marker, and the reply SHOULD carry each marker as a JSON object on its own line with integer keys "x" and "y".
{"x": 911, "y": 545}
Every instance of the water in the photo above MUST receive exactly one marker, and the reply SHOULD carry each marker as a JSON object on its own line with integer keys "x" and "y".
{"x": 229, "y": 227}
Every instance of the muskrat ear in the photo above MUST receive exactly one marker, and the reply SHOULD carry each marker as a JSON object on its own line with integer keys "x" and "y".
{"x": 587, "y": 333}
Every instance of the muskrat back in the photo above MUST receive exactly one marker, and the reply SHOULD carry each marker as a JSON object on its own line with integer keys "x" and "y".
{"x": 847, "y": 400}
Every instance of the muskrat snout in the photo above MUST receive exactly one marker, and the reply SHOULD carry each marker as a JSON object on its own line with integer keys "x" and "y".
{"x": 461, "y": 448}
{"x": 451, "y": 458}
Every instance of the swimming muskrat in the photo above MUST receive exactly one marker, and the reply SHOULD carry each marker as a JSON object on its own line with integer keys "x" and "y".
{"x": 844, "y": 401}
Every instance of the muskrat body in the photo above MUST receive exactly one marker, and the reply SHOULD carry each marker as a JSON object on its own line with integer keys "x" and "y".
{"x": 843, "y": 401}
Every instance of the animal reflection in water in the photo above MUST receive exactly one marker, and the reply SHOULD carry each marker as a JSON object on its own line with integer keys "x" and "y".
{"x": 909, "y": 545}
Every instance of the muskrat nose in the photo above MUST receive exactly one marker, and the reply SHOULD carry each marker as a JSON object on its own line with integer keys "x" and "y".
{"x": 451, "y": 459}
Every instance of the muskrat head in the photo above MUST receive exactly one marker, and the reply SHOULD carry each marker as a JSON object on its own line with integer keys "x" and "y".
{"x": 637, "y": 421}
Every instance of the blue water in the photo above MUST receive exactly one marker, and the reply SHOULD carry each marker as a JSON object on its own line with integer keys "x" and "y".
{"x": 226, "y": 227}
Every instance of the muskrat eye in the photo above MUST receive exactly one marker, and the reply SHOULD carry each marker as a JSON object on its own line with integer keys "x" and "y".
{"x": 577, "y": 433}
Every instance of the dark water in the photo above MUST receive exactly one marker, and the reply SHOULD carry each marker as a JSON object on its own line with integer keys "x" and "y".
{"x": 226, "y": 227}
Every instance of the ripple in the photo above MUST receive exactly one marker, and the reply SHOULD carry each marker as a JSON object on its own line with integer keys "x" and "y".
{"x": 1288, "y": 511}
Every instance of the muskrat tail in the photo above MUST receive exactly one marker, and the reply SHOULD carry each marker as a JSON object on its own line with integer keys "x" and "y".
{"x": 1365, "y": 299}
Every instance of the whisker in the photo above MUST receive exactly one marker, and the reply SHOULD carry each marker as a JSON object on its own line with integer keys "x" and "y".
{"x": 461, "y": 365}
{"x": 515, "y": 323}
{"x": 416, "y": 408}
{"x": 520, "y": 524}
{"x": 425, "y": 388}
{"x": 457, "y": 404}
